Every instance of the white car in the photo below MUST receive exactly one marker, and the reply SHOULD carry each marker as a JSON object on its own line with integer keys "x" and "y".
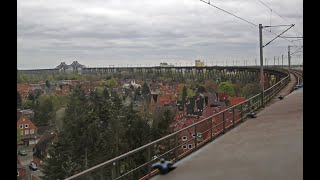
{"x": 33, "y": 166}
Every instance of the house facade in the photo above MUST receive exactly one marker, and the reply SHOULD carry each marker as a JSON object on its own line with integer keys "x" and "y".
{"x": 28, "y": 130}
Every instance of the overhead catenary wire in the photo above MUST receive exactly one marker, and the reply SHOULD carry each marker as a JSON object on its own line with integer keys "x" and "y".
{"x": 296, "y": 50}
{"x": 230, "y": 13}
{"x": 280, "y": 17}
{"x": 278, "y": 36}
{"x": 243, "y": 19}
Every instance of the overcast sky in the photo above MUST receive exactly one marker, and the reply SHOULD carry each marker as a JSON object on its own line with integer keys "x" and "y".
{"x": 147, "y": 32}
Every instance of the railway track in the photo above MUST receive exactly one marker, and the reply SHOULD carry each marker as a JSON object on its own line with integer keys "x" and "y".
{"x": 299, "y": 78}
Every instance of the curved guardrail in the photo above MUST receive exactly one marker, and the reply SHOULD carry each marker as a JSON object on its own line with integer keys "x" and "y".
{"x": 169, "y": 147}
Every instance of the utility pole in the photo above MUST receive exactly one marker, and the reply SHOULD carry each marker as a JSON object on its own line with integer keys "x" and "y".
{"x": 278, "y": 60}
{"x": 274, "y": 60}
{"x": 256, "y": 61}
{"x": 289, "y": 58}
{"x": 266, "y": 61}
{"x": 282, "y": 61}
{"x": 261, "y": 66}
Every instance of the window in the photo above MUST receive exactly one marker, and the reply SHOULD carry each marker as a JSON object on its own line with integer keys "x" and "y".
{"x": 26, "y": 125}
{"x": 21, "y": 132}
{"x": 17, "y": 173}
{"x": 21, "y": 126}
{"x": 184, "y": 138}
{"x": 193, "y": 135}
{"x": 184, "y": 146}
{"x": 212, "y": 134}
{"x": 31, "y": 131}
{"x": 199, "y": 134}
{"x": 26, "y": 132}
{"x": 189, "y": 146}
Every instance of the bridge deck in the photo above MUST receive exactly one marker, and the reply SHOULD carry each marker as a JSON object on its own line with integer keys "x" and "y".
{"x": 268, "y": 147}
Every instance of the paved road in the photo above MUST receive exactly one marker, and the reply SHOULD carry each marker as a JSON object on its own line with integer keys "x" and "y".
{"x": 266, "y": 148}
{"x": 26, "y": 160}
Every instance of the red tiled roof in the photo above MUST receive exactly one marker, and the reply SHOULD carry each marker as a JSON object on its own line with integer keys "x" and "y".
{"x": 179, "y": 86}
{"x": 165, "y": 88}
{"x": 23, "y": 89}
{"x": 223, "y": 96}
{"x": 236, "y": 100}
{"x": 166, "y": 99}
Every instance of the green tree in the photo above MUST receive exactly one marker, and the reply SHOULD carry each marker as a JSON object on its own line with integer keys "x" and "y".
{"x": 131, "y": 87}
{"x": 59, "y": 165}
{"x": 111, "y": 82}
{"x": 191, "y": 93}
{"x": 137, "y": 130}
{"x": 161, "y": 124}
{"x": 138, "y": 91}
{"x": 226, "y": 87}
{"x": 237, "y": 89}
{"x": 19, "y": 101}
{"x": 31, "y": 97}
{"x": 145, "y": 89}
{"x": 19, "y": 136}
{"x": 45, "y": 111}
{"x": 26, "y": 104}
{"x": 69, "y": 155}
{"x": 99, "y": 89}
{"x": 211, "y": 86}
{"x": 184, "y": 93}
{"x": 105, "y": 94}
{"x": 251, "y": 89}
{"x": 48, "y": 84}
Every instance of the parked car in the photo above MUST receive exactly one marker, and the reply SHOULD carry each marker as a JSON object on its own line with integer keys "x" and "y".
{"x": 22, "y": 153}
{"x": 33, "y": 166}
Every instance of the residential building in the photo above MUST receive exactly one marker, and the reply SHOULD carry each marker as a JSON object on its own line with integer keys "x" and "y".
{"x": 23, "y": 90}
{"x": 40, "y": 151}
{"x": 199, "y": 63}
{"x": 28, "y": 130}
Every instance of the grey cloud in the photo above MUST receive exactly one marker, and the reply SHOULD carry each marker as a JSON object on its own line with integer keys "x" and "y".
{"x": 141, "y": 30}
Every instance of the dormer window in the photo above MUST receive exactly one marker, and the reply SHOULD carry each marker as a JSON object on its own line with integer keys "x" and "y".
{"x": 184, "y": 138}
{"x": 26, "y": 125}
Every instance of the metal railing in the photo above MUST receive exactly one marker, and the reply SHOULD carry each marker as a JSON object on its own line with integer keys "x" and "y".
{"x": 136, "y": 164}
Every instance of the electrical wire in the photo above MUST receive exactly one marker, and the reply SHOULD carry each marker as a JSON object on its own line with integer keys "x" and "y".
{"x": 243, "y": 19}
{"x": 296, "y": 50}
{"x": 281, "y": 17}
